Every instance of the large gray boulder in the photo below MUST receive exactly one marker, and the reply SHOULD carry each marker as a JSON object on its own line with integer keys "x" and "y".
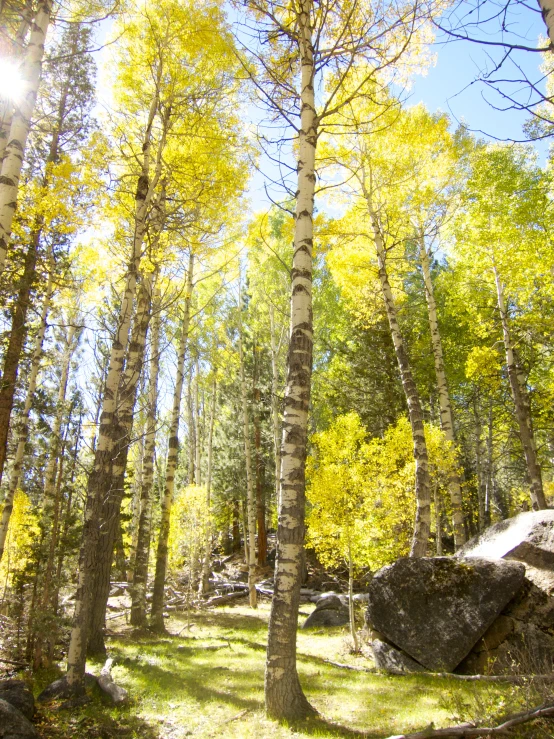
{"x": 527, "y": 537}
{"x": 13, "y": 724}
{"x": 436, "y": 608}
{"x": 18, "y": 694}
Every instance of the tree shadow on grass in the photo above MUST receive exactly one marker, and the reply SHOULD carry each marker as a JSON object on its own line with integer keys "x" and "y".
{"x": 318, "y": 725}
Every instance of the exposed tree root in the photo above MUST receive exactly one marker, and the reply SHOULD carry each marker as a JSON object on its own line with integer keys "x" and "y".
{"x": 106, "y": 683}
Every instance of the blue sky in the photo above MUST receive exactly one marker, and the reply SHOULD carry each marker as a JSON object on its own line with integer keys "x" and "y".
{"x": 453, "y": 84}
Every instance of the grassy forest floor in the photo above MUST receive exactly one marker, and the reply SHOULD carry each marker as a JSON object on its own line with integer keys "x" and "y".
{"x": 205, "y": 679}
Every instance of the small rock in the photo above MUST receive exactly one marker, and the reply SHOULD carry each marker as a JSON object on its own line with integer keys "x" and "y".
{"x": 392, "y": 660}
{"x": 13, "y": 724}
{"x": 326, "y": 617}
{"x": 329, "y": 611}
{"x": 58, "y": 689}
{"x": 331, "y": 600}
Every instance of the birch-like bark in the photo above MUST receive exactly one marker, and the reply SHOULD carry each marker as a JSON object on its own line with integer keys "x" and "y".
{"x": 275, "y": 411}
{"x": 259, "y": 467}
{"x": 112, "y": 485}
{"x": 140, "y": 570}
{"x": 23, "y": 421}
{"x": 481, "y": 487}
{"x": 284, "y": 698}
{"x": 438, "y": 520}
{"x": 422, "y": 527}
{"x": 17, "y": 51}
{"x": 156, "y": 615}
{"x": 76, "y": 657}
{"x": 205, "y": 579}
{"x": 521, "y": 403}
{"x": 20, "y": 125}
{"x": 197, "y": 426}
{"x": 547, "y": 12}
{"x": 136, "y": 505}
{"x": 447, "y": 421}
{"x": 250, "y": 496}
{"x": 351, "y": 610}
{"x": 191, "y": 433}
{"x": 49, "y": 522}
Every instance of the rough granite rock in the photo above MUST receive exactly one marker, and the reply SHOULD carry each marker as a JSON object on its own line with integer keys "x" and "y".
{"x": 436, "y": 608}
{"x": 329, "y": 611}
{"x": 526, "y": 650}
{"x": 521, "y": 640}
{"x": 13, "y": 724}
{"x": 392, "y": 660}
{"x": 18, "y": 694}
{"x": 527, "y": 537}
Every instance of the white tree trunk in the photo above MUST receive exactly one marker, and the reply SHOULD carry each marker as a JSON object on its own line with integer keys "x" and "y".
{"x": 204, "y": 581}
{"x": 523, "y": 413}
{"x": 156, "y": 617}
{"x": 351, "y": 610}
{"x": 447, "y": 421}
{"x": 250, "y": 497}
{"x": 547, "y": 12}
{"x": 14, "y": 151}
{"x": 284, "y": 698}
{"x": 140, "y": 569}
{"x": 275, "y": 411}
{"x": 422, "y": 527}
{"x": 76, "y": 656}
{"x": 17, "y": 51}
{"x": 198, "y": 448}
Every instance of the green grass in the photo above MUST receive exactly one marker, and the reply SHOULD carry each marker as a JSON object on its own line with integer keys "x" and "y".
{"x": 207, "y": 681}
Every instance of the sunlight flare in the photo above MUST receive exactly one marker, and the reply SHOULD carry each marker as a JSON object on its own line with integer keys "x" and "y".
{"x": 11, "y": 82}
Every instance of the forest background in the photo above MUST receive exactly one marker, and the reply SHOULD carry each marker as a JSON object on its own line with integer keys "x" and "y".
{"x": 146, "y": 287}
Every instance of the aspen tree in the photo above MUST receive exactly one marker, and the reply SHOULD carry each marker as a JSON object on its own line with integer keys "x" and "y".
{"x": 140, "y": 568}
{"x": 204, "y": 580}
{"x": 71, "y": 100}
{"x": 147, "y": 182}
{"x": 422, "y": 527}
{"x": 21, "y": 123}
{"x": 15, "y": 53}
{"x": 521, "y": 402}
{"x": 113, "y": 488}
{"x": 503, "y": 246}
{"x": 156, "y": 616}
{"x": 50, "y": 518}
{"x": 326, "y": 48}
{"x": 250, "y": 497}
{"x": 447, "y": 421}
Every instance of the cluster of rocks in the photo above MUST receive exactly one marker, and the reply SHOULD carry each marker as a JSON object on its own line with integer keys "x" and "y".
{"x": 17, "y": 708}
{"x": 489, "y": 609}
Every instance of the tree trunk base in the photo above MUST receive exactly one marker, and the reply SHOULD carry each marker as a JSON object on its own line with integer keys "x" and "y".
{"x": 287, "y": 702}
{"x": 158, "y": 626}
{"x": 96, "y": 646}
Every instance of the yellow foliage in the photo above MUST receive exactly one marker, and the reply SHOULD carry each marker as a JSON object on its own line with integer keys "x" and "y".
{"x": 361, "y": 492}
{"x": 187, "y": 531}
{"x": 23, "y": 530}
{"x": 483, "y": 366}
